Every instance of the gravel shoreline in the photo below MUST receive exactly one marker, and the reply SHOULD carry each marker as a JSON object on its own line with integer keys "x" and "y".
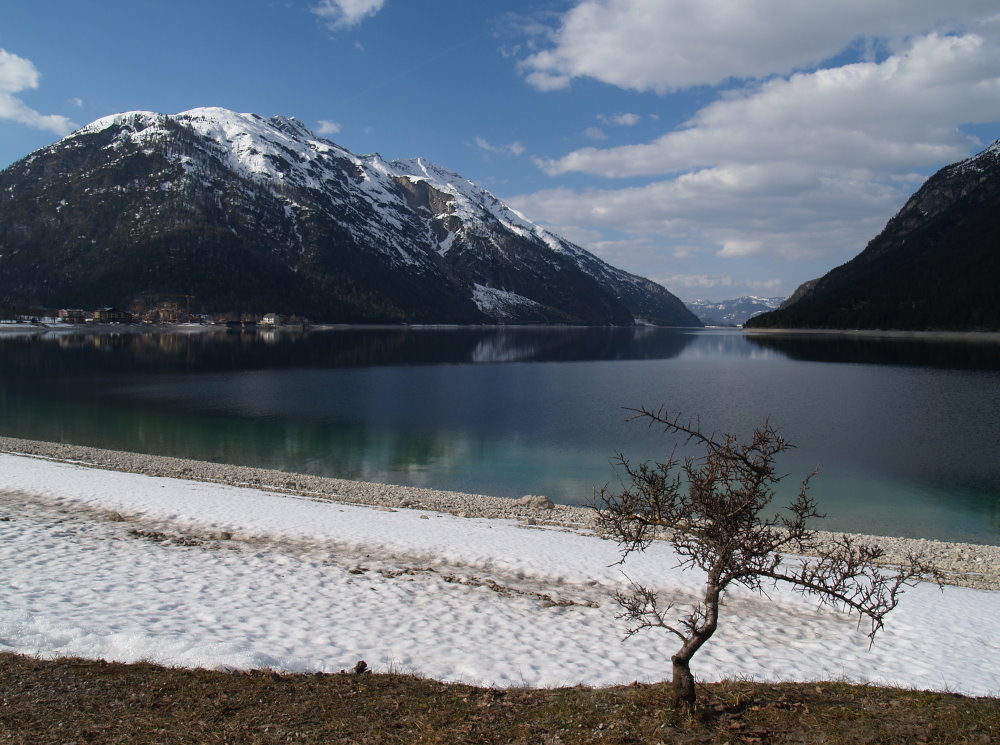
{"x": 965, "y": 564}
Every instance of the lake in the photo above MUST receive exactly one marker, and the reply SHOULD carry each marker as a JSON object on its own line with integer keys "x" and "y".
{"x": 906, "y": 432}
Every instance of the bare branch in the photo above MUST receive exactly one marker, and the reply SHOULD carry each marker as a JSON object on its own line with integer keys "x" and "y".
{"x": 848, "y": 577}
{"x": 641, "y": 608}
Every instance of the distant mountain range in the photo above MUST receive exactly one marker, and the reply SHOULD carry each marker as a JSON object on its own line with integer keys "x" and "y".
{"x": 936, "y": 265}
{"x": 733, "y": 312}
{"x": 252, "y": 214}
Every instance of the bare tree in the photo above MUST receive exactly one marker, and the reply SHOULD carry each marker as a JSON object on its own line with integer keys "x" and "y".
{"x": 713, "y": 509}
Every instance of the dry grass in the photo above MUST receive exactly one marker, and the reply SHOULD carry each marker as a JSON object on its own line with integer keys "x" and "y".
{"x": 81, "y": 701}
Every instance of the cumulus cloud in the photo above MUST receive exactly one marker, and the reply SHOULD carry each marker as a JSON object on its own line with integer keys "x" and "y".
{"x": 327, "y": 127}
{"x": 897, "y": 114}
{"x": 16, "y": 75}
{"x": 805, "y": 166}
{"x": 665, "y": 45}
{"x": 789, "y": 211}
{"x": 759, "y": 217}
{"x": 512, "y": 148}
{"x": 342, "y": 14}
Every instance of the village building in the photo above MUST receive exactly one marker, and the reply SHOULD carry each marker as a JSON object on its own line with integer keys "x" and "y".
{"x": 112, "y": 315}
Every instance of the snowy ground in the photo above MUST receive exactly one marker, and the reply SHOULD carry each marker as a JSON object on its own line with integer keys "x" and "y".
{"x": 130, "y": 567}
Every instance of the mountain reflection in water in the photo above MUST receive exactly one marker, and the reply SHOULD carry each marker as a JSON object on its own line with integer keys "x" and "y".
{"x": 340, "y": 348}
{"x": 951, "y": 351}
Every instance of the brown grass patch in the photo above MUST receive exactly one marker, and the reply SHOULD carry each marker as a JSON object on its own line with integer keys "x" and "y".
{"x": 83, "y": 701}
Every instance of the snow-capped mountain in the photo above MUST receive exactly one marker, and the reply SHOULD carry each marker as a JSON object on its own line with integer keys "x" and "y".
{"x": 733, "y": 312}
{"x": 248, "y": 213}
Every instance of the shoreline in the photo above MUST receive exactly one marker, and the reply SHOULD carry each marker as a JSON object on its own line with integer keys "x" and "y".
{"x": 953, "y": 336}
{"x": 964, "y": 564}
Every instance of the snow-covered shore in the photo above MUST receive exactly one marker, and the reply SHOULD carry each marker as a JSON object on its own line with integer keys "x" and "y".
{"x": 967, "y": 565}
{"x": 128, "y": 566}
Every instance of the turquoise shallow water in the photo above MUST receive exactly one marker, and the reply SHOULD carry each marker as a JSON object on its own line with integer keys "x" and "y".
{"x": 906, "y": 433}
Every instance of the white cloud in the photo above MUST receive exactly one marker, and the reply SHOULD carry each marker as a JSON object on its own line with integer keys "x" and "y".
{"x": 327, "y": 127}
{"x": 698, "y": 281}
{"x": 77, "y": 101}
{"x": 787, "y": 220}
{"x": 731, "y": 212}
{"x": 623, "y": 119}
{"x": 897, "y": 114}
{"x": 691, "y": 286}
{"x": 512, "y": 148}
{"x": 795, "y": 163}
{"x": 594, "y": 133}
{"x": 664, "y": 45}
{"x": 805, "y": 168}
{"x": 341, "y": 14}
{"x": 18, "y": 74}
{"x": 733, "y": 247}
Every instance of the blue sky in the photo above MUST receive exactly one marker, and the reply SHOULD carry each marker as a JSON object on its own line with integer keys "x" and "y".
{"x": 720, "y": 147}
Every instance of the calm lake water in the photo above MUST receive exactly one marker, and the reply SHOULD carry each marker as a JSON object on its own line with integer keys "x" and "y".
{"x": 906, "y": 433}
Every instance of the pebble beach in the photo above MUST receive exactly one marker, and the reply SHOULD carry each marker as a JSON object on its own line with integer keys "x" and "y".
{"x": 963, "y": 564}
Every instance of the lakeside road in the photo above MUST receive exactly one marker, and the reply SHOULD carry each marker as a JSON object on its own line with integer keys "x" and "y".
{"x": 187, "y": 571}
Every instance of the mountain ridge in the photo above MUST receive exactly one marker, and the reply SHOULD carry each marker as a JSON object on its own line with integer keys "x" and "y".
{"x": 935, "y": 265}
{"x": 243, "y": 211}
{"x": 731, "y": 312}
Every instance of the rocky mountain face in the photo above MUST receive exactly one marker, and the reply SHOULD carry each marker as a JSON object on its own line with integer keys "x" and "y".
{"x": 253, "y": 214}
{"x": 936, "y": 265}
{"x": 733, "y": 312}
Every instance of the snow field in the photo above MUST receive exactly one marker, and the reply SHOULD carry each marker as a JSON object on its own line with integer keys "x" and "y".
{"x": 129, "y": 567}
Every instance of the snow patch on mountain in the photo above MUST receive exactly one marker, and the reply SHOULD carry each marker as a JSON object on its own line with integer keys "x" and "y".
{"x": 138, "y": 120}
{"x": 733, "y": 312}
{"x": 501, "y": 304}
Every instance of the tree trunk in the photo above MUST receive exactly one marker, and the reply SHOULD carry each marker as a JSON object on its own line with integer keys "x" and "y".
{"x": 684, "y": 694}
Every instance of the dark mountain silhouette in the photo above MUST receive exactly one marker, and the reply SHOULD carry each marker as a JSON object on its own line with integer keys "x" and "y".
{"x": 936, "y": 265}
